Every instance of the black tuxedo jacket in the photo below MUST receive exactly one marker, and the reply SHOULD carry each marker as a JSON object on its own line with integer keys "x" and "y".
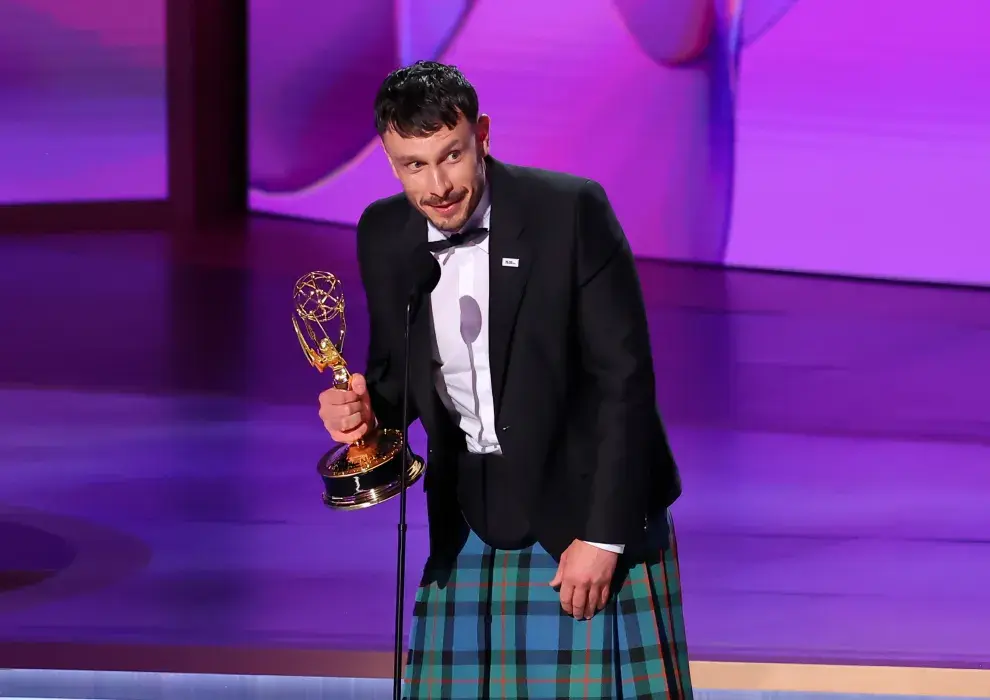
{"x": 571, "y": 364}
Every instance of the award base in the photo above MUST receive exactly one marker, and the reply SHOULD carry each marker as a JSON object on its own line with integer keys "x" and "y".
{"x": 368, "y": 472}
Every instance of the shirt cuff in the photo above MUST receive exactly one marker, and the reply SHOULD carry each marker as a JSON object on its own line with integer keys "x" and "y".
{"x": 617, "y": 548}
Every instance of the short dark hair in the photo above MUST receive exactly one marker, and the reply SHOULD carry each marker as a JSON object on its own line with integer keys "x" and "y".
{"x": 421, "y": 99}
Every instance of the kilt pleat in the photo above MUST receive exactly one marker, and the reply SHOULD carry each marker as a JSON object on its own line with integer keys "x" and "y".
{"x": 492, "y": 627}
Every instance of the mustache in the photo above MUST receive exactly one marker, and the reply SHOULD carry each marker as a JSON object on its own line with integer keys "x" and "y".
{"x": 441, "y": 202}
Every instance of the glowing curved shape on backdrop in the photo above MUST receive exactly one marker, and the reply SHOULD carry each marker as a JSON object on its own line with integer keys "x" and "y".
{"x": 638, "y": 95}
{"x": 315, "y": 68}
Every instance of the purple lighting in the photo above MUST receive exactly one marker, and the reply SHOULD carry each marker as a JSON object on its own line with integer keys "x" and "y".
{"x": 811, "y": 135}
{"x": 567, "y": 87}
{"x": 82, "y": 85}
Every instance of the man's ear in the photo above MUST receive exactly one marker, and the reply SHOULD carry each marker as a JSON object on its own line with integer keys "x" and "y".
{"x": 482, "y": 132}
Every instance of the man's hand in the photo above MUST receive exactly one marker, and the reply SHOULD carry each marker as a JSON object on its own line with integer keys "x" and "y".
{"x": 347, "y": 414}
{"x": 584, "y": 576}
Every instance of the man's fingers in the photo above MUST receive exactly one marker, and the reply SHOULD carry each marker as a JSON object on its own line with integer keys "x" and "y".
{"x": 566, "y": 597}
{"x": 586, "y": 600}
{"x": 349, "y": 422}
{"x": 334, "y": 412}
{"x": 333, "y": 416}
{"x": 579, "y": 602}
{"x": 346, "y": 422}
{"x": 603, "y": 597}
{"x": 594, "y": 601}
{"x": 558, "y": 577}
{"x": 350, "y": 436}
{"x": 346, "y": 414}
{"x": 336, "y": 397}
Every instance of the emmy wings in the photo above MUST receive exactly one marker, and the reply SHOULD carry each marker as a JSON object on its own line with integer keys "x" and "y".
{"x": 318, "y": 300}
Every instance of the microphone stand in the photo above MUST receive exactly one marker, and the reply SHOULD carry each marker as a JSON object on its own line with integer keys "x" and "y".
{"x": 400, "y": 583}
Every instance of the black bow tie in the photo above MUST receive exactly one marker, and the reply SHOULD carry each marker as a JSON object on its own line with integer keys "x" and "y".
{"x": 455, "y": 239}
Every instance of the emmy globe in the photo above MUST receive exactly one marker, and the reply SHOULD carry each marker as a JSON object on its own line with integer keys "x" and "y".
{"x": 369, "y": 471}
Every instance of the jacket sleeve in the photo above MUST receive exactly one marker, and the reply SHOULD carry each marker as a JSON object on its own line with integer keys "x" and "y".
{"x": 617, "y": 359}
{"x": 383, "y": 369}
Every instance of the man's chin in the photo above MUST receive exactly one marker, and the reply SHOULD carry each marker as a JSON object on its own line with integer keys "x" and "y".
{"x": 450, "y": 224}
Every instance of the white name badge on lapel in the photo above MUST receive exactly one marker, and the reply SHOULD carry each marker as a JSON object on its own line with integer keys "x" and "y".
{"x": 510, "y": 262}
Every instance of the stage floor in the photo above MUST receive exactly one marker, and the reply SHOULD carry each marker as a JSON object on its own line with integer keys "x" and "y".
{"x": 158, "y": 439}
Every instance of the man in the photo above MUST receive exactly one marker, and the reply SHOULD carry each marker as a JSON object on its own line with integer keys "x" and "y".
{"x": 553, "y": 568}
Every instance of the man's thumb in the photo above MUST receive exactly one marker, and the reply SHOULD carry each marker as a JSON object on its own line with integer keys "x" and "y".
{"x": 359, "y": 385}
{"x": 558, "y": 577}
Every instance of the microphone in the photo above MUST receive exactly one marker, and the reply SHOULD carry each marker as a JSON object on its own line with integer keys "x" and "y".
{"x": 424, "y": 275}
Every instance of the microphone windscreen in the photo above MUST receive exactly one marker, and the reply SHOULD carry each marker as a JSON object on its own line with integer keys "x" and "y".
{"x": 424, "y": 271}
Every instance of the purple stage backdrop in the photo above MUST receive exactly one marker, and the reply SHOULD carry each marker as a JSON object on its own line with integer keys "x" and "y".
{"x": 82, "y": 100}
{"x": 817, "y": 135}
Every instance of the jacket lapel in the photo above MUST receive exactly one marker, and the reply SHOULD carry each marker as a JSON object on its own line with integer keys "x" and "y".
{"x": 420, "y": 337}
{"x": 509, "y": 263}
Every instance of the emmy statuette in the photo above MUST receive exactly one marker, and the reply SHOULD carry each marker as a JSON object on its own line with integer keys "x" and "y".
{"x": 369, "y": 471}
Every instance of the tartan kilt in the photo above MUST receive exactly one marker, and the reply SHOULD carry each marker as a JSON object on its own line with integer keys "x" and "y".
{"x": 495, "y": 629}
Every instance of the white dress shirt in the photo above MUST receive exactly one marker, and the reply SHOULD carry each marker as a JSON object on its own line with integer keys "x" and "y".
{"x": 459, "y": 311}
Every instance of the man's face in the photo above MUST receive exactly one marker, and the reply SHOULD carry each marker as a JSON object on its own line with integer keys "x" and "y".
{"x": 443, "y": 174}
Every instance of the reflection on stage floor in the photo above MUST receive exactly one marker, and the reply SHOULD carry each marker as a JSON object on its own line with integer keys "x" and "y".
{"x": 158, "y": 441}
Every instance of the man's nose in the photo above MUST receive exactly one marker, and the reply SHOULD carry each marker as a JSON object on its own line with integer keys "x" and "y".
{"x": 441, "y": 184}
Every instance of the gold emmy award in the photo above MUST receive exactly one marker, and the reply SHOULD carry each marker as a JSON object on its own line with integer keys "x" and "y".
{"x": 369, "y": 471}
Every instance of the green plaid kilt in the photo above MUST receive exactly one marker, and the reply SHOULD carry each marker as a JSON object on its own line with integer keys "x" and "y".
{"x": 495, "y": 629}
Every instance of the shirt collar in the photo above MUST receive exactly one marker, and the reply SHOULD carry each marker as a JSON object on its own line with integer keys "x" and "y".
{"x": 481, "y": 217}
